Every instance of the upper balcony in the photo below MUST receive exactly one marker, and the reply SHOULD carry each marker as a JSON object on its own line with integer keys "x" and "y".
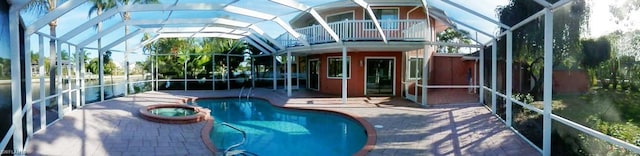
{"x": 360, "y": 30}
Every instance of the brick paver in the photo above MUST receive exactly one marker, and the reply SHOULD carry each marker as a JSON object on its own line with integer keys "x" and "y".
{"x": 113, "y": 127}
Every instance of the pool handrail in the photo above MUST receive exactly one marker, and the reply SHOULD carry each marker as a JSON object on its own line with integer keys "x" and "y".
{"x": 249, "y": 93}
{"x": 244, "y": 137}
{"x": 240, "y": 95}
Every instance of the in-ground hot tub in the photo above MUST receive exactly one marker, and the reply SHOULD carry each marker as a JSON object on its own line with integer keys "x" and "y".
{"x": 174, "y": 113}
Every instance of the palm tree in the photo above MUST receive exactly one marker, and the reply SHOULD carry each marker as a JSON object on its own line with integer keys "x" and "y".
{"x": 43, "y": 7}
{"x": 125, "y": 17}
{"x": 99, "y": 6}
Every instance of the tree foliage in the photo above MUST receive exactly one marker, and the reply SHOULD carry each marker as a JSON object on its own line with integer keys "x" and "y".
{"x": 528, "y": 40}
{"x": 451, "y": 35}
{"x": 595, "y": 52}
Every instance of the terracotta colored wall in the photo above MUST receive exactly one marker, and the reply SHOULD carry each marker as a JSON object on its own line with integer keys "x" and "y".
{"x": 570, "y": 81}
{"x": 450, "y": 70}
{"x": 356, "y": 81}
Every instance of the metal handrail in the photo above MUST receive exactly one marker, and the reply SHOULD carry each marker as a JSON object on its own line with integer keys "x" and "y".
{"x": 249, "y": 93}
{"x": 244, "y": 138}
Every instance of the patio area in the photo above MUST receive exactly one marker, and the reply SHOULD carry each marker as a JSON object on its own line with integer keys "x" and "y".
{"x": 113, "y": 127}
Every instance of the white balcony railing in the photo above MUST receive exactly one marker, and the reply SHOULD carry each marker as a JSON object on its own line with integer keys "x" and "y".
{"x": 360, "y": 30}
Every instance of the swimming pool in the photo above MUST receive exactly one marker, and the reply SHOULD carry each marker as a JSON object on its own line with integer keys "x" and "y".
{"x": 279, "y": 131}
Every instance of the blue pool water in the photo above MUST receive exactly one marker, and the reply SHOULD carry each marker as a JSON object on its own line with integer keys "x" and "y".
{"x": 277, "y": 131}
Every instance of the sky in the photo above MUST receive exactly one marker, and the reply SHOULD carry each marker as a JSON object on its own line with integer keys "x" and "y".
{"x": 602, "y": 22}
{"x": 77, "y": 16}
{"x": 4, "y": 34}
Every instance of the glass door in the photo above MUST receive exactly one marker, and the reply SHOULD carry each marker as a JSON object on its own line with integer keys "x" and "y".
{"x": 314, "y": 75}
{"x": 380, "y": 76}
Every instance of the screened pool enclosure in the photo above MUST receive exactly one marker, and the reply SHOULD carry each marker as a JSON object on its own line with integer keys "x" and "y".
{"x": 542, "y": 67}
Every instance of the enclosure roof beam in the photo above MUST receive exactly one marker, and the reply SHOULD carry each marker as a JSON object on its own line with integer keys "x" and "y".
{"x": 259, "y": 31}
{"x": 53, "y": 15}
{"x": 122, "y": 39}
{"x": 254, "y": 44}
{"x": 144, "y": 43}
{"x": 265, "y": 45}
{"x": 476, "y": 14}
{"x": 264, "y": 16}
{"x": 171, "y": 7}
{"x": 100, "y": 35}
{"x": 314, "y": 13}
{"x": 544, "y": 3}
{"x": 90, "y": 23}
{"x": 220, "y": 35}
{"x": 473, "y": 28}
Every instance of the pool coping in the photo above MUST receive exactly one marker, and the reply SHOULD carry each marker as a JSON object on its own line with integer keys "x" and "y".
{"x": 371, "y": 132}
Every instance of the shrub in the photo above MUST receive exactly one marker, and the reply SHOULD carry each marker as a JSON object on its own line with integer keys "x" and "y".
{"x": 627, "y": 132}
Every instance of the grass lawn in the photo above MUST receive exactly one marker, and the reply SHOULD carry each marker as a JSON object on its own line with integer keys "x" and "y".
{"x": 609, "y": 106}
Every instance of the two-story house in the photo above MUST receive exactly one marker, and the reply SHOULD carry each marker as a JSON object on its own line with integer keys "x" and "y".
{"x": 380, "y": 61}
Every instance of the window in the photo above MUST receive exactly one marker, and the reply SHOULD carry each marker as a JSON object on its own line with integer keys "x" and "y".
{"x": 335, "y": 67}
{"x": 387, "y": 18}
{"x": 415, "y": 68}
{"x": 340, "y": 17}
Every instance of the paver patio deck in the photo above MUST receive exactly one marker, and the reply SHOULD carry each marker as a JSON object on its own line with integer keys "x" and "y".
{"x": 113, "y": 128}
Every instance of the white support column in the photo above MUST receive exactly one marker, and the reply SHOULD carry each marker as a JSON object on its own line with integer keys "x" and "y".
{"x": 77, "y": 71}
{"x": 227, "y": 74}
{"x": 509, "y": 77}
{"x": 27, "y": 85}
{"x": 494, "y": 75}
{"x": 425, "y": 75}
{"x": 101, "y": 74}
{"x": 548, "y": 75}
{"x": 185, "y": 72}
{"x": 213, "y": 77}
{"x": 155, "y": 76}
{"x": 16, "y": 100}
{"x": 253, "y": 72}
{"x": 126, "y": 70}
{"x": 68, "y": 87}
{"x": 59, "y": 79}
{"x": 344, "y": 74}
{"x": 81, "y": 87}
{"x": 415, "y": 88}
{"x": 481, "y": 78}
{"x": 288, "y": 73}
{"x": 275, "y": 77}
{"x": 41, "y": 72}
{"x": 475, "y": 75}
